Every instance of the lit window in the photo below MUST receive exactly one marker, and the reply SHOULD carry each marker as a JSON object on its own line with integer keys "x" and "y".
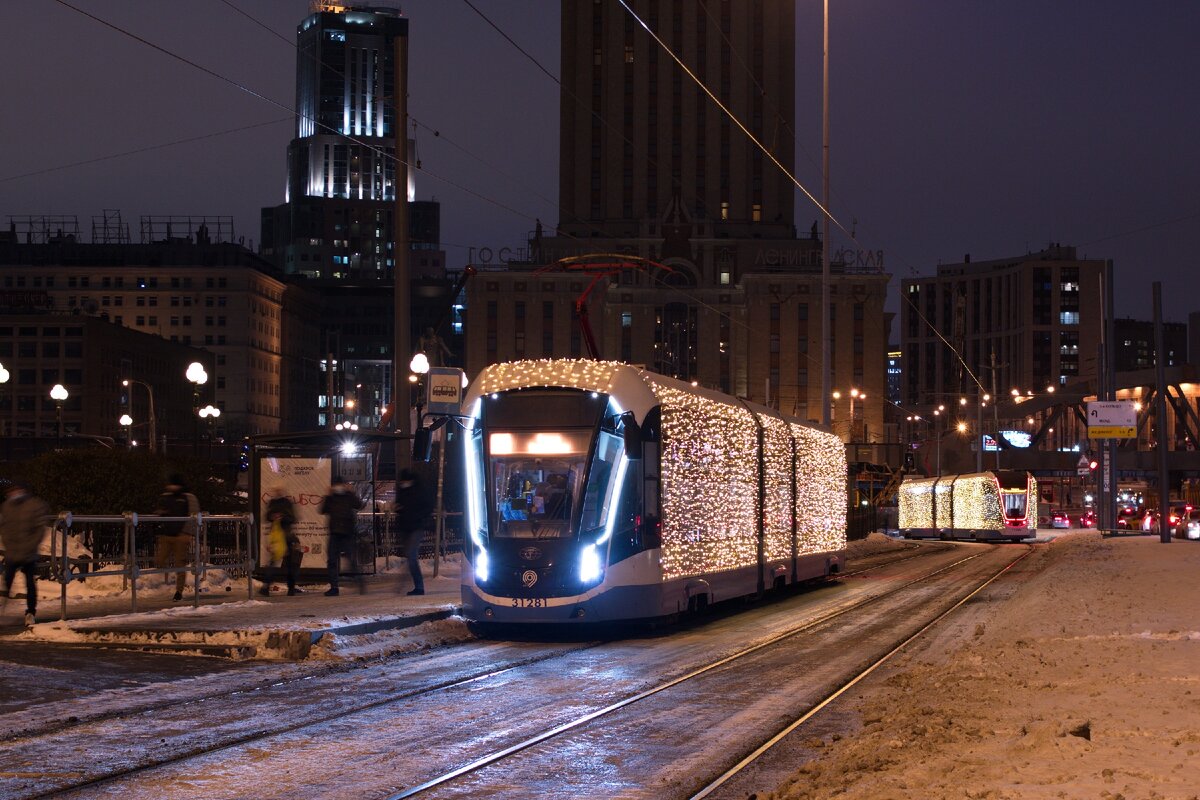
{"x": 1069, "y": 317}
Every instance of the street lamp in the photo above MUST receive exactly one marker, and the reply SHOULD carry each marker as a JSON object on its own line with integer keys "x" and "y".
{"x": 153, "y": 424}
{"x": 126, "y": 422}
{"x": 210, "y": 413}
{"x": 420, "y": 368}
{"x": 198, "y": 377}
{"x": 59, "y": 395}
{"x": 960, "y": 427}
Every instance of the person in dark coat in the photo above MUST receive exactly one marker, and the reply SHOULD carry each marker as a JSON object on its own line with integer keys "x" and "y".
{"x": 23, "y": 520}
{"x": 281, "y": 510}
{"x": 175, "y": 543}
{"x": 413, "y": 508}
{"x": 341, "y": 505}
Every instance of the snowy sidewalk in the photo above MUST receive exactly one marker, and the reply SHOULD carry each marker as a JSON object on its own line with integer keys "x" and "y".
{"x": 278, "y": 627}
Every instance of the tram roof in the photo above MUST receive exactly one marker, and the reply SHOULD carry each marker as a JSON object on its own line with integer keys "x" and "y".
{"x": 634, "y": 388}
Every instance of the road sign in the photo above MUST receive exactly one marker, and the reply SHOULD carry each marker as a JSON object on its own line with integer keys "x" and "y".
{"x": 443, "y": 389}
{"x": 1112, "y": 419}
{"x": 1083, "y": 467}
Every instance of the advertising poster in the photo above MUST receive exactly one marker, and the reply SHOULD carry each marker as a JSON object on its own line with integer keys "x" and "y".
{"x": 306, "y": 482}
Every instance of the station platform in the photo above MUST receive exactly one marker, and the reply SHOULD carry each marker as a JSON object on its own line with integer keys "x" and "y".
{"x": 228, "y": 625}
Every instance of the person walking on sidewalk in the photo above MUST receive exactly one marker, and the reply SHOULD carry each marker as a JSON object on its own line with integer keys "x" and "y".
{"x": 23, "y": 520}
{"x": 283, "y": 544}
{"x": 176, "y": 540}
{"x": 341, "y": 505}
{"x": 413, "y": 507}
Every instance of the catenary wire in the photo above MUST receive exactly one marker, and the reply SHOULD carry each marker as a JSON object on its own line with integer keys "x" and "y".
{"x": 146, "y": 149}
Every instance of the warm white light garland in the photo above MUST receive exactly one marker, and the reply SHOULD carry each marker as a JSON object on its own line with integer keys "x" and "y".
{"x": 964, "y": 502}
{"x": 709, "y": 468}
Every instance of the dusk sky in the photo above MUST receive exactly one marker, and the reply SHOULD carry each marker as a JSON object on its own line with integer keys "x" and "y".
{"x": 958, "y": 126}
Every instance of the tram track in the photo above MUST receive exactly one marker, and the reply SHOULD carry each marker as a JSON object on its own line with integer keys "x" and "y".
{"x": 792, "y": 727}
{"x": 201, "y": 706}
{"x": 497, "y": 757}
{"x": 347, "y": 711}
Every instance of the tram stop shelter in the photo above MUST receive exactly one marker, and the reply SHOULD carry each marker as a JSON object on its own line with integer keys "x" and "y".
{"x": 302, "y": 466}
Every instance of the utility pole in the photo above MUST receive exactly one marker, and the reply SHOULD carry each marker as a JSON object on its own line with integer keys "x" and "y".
{"x": 995, "y": 405}
{"x": 1161, "y": 438}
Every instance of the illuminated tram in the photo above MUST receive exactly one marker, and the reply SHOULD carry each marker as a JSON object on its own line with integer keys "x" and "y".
{"x": 598, "y": 492}
{"x": 999, "y": 505}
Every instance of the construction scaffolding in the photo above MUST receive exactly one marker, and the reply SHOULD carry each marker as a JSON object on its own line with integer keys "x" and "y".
{"x": 44, "y": 228}
{"x": 158, "y": 229}
{"x": 109, "y": 229}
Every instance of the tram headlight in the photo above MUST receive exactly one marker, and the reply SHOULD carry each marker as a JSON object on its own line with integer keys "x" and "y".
{"x": 589, "y": 564}
{"x": 481, "y": 565}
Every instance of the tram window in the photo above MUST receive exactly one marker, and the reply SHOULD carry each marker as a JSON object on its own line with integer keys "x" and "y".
{"x": 1014, "y": 505}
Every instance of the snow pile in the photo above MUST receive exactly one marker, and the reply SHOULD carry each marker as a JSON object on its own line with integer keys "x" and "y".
{"x": 1082, "y": 683}
{"x": 874, "y": 544}
{"x": 334, "y": 647}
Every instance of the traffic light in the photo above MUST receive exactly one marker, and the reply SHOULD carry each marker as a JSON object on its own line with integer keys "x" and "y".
{"x": 1092, "y": 465}
{"x": 244, "y": 456}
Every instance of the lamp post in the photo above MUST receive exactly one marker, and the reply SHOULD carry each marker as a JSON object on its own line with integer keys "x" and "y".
{"x": 420, "y": 368}
{"x": 59, "y": 395}
{"x": 126, "y": 422}
{"x": 153, "y": 422}
{"x": 198, "y": 377}
{"x": 4, "y": 376}
{"x": 210, "y": 413}
{"x": 826, "y": 290}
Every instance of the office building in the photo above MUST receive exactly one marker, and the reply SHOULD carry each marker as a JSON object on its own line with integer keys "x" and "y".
{"x": 1028, "y": 323}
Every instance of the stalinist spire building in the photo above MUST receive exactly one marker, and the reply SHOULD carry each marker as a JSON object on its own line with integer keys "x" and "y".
{"x": 651, "y": 166}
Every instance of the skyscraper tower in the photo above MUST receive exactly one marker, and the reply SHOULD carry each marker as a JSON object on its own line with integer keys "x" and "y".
{"x": 636, "y": 132}
{"x": 337, "y": 218}
{"x": 724, "y": 291}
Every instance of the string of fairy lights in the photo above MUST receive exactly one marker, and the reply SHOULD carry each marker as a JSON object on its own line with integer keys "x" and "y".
{"x": 708, "y": 462}
{"x": 966, "y": 502}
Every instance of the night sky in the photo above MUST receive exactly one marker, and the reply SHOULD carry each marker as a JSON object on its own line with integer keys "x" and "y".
{"x": 958, "y": 126}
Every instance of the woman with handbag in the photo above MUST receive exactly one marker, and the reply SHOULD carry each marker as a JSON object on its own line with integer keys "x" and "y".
{"x": 283, "y": 546}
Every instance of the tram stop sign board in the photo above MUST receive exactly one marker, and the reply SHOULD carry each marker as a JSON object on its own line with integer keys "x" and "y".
{"x": 444, "y": 390}
{"x": 1112, "y": 419}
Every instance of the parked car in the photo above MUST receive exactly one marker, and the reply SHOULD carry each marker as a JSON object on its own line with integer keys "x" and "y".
{"x": 1059, "y": 518}
{"x": 1150, "y": 520}
{"x": 1189, "y": 525}
{"x": 1127, "y": 517}
{"x": 1087, "y": 519}
{"x": 1179, "y": 518}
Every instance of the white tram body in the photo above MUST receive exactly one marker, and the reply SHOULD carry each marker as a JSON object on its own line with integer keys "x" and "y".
{"x": 598, "y": 492}
{"x": 983, "y": 505}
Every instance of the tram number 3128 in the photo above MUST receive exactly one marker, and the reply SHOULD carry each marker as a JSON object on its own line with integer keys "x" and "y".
{"x": 529, "y": 602}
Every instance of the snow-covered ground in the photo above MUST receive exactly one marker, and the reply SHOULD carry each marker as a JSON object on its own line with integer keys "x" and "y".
{"x": 1079, "y": 679}
{"x": 258, "y": 627}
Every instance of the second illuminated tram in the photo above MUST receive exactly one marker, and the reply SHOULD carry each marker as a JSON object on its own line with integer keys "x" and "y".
{"x": 998, "y": 505}
{"x": 598, "y": 492}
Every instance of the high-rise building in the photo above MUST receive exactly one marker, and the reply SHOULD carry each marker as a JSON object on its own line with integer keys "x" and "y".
{"x": 1035, "y": 317}
{"x": 337, "y": 218}
{"x": 719, "y": 289}
{"x": 637, "y": 133}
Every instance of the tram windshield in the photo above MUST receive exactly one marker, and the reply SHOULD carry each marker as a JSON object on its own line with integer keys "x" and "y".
{"x": 1014, "y": 504}
{"x": 537, "y": 480}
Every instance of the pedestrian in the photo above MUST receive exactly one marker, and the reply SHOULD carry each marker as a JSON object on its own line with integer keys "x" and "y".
{"x": 341, "y": 505}
{"x": 176, "y": 540}
{"x": 412, "y": 514}
{"x": 23, "y": 520}
{"x": 282, "y": 542}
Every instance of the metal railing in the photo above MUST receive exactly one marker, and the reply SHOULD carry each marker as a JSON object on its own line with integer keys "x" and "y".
{"x": 222, "y": 541}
